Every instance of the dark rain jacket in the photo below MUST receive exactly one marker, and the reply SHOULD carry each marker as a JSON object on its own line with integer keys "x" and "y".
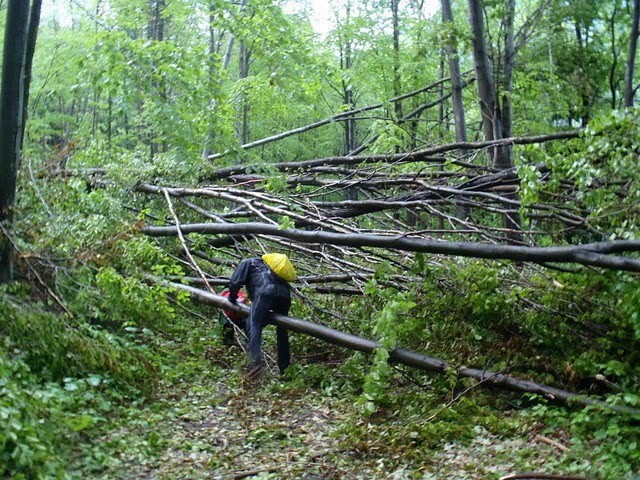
{"x": 256, "y": 275}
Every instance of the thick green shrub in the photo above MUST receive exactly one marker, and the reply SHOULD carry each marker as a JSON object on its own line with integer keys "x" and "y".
{"x": 28, "y": 437}
{"x": 57, "y": 346}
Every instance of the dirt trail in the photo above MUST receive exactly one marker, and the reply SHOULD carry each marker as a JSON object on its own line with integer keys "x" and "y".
{"x": 222, "y": 428}
{"x": 237, "y": 433}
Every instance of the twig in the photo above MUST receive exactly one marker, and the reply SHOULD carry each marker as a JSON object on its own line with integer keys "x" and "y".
{"x": 553, "y": 443}
{"x": 39, "y": 194}
{"x": 459, "y": 396}
{"x": 410, "y": 378}
{"x": 184, "y": 243}
{"x": 251, "y": 473}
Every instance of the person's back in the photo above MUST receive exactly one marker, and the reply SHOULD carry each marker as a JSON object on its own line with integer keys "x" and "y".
{"x": 256, "y": 275}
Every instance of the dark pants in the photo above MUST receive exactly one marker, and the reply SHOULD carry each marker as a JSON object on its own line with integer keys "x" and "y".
{"x": 274, "y": 298}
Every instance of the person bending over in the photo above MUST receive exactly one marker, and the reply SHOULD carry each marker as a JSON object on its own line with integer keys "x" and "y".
{"x": 268, "y": 292}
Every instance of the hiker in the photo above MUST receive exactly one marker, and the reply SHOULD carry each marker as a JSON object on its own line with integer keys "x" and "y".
{"x": 268, "y": 291}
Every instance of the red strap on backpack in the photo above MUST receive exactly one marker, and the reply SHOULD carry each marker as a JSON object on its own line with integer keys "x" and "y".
{"x": 242, "y": 299}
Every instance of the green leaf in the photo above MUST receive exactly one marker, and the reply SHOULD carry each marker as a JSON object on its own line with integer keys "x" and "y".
{"x": 80, "y": 422}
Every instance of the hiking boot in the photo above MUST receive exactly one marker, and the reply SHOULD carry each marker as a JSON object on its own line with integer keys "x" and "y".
{"x": 228, "y": 337}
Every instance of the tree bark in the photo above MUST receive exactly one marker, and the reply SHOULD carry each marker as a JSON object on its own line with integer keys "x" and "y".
{"x": 396, "y": 58}
{"x": 244, "y": 54}
{"x": 507, "y": 72}
{"x": 155, "y": 32}
{"x": 484, "y": 73}
{"x": 613, "y": 81}
{"x": 633, "y": 46}
{"x": 460, "y": 124}
{"x": 11, "y": 127}
{"x": 211, "y": 62}
{"x": 420, "y": 155}
{"x": 403, "y": 356}
{"x": 493, "y": 121}
{"x": 226, "y": 59}
{"x": 456, "y": 77}
{"x": 348, "y": 98}
{"x": 593, "y": 254}
{"x": 511, "y": 221}
{"x": 32, "y": 37}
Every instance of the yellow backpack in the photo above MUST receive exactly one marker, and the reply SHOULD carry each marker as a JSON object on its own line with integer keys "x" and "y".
{"x": 281, "y": 266}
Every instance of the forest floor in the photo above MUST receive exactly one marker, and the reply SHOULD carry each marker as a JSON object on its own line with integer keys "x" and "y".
{"x": 208, "y": 422}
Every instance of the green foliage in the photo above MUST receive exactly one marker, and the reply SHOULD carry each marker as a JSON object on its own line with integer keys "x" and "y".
{"x": 318, "y": 377}
{"x": 390, "y": 138}
{"x": 43, "y": 423}
{"x": 530, "y": 185}
{"x": 608, "y": 439}
{"x": 277, "y": 184}
{"x": 471, "y": 307}
{"x": 602, "y": 170}
{"x": 482, "y": 314}
{"x": 57, "y": 347}
{"x": 131, "y": 303}
{"x": 387, "y": 324}
{"x": 27, "y": 444}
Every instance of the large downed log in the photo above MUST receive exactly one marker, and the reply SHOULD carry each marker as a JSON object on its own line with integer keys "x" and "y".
{"x": 402, "y": 356}
{"x": 419, "y": 194}
{"x": 593, "y": 254}
{"x": 428, "y": 154}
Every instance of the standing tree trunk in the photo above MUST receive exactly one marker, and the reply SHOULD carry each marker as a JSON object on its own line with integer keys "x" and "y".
{"x": 507, "y": 73}
{"x": 396, "y": 59}
{"x": 484, "y": 73}
{"x": 211, "y": 61}
{"x": 242, "y": 128}
{"x": 633, "y": 46}
{"x": 346, "y": 62}
{"x": 156, "y": 33}
{"x": 582, "y": 39}
{"x": 613, "y": 81}
{"x": 348, "y": 98}
{"x": 11, "y": 116}
{"x": 32, "y": 36}
{"x": 493, "y": 122}
{"x": 226, "y": 59}
{"x": 454, "y": 72}
{"x": 463, "y": 211}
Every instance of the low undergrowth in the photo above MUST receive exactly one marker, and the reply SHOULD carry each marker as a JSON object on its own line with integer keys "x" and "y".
{"x": 201, "y": 419}
{"x": 132, "y": 381}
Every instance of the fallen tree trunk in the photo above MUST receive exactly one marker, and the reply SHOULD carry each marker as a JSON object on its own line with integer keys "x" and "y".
{"x": 479, "y": 187}
{"x": 342, "y": 116}
{"x": 402, "y": 356}
{"x": 429, "y": 154}
{"x": 330, "y": 290}
{"x": 319, "y": 162}
{"x": 310, "y": 279}
{"x": 593, "y": 254}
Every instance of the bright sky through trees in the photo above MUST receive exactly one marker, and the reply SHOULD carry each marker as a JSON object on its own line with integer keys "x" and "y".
{"x": 323, "y": 19}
